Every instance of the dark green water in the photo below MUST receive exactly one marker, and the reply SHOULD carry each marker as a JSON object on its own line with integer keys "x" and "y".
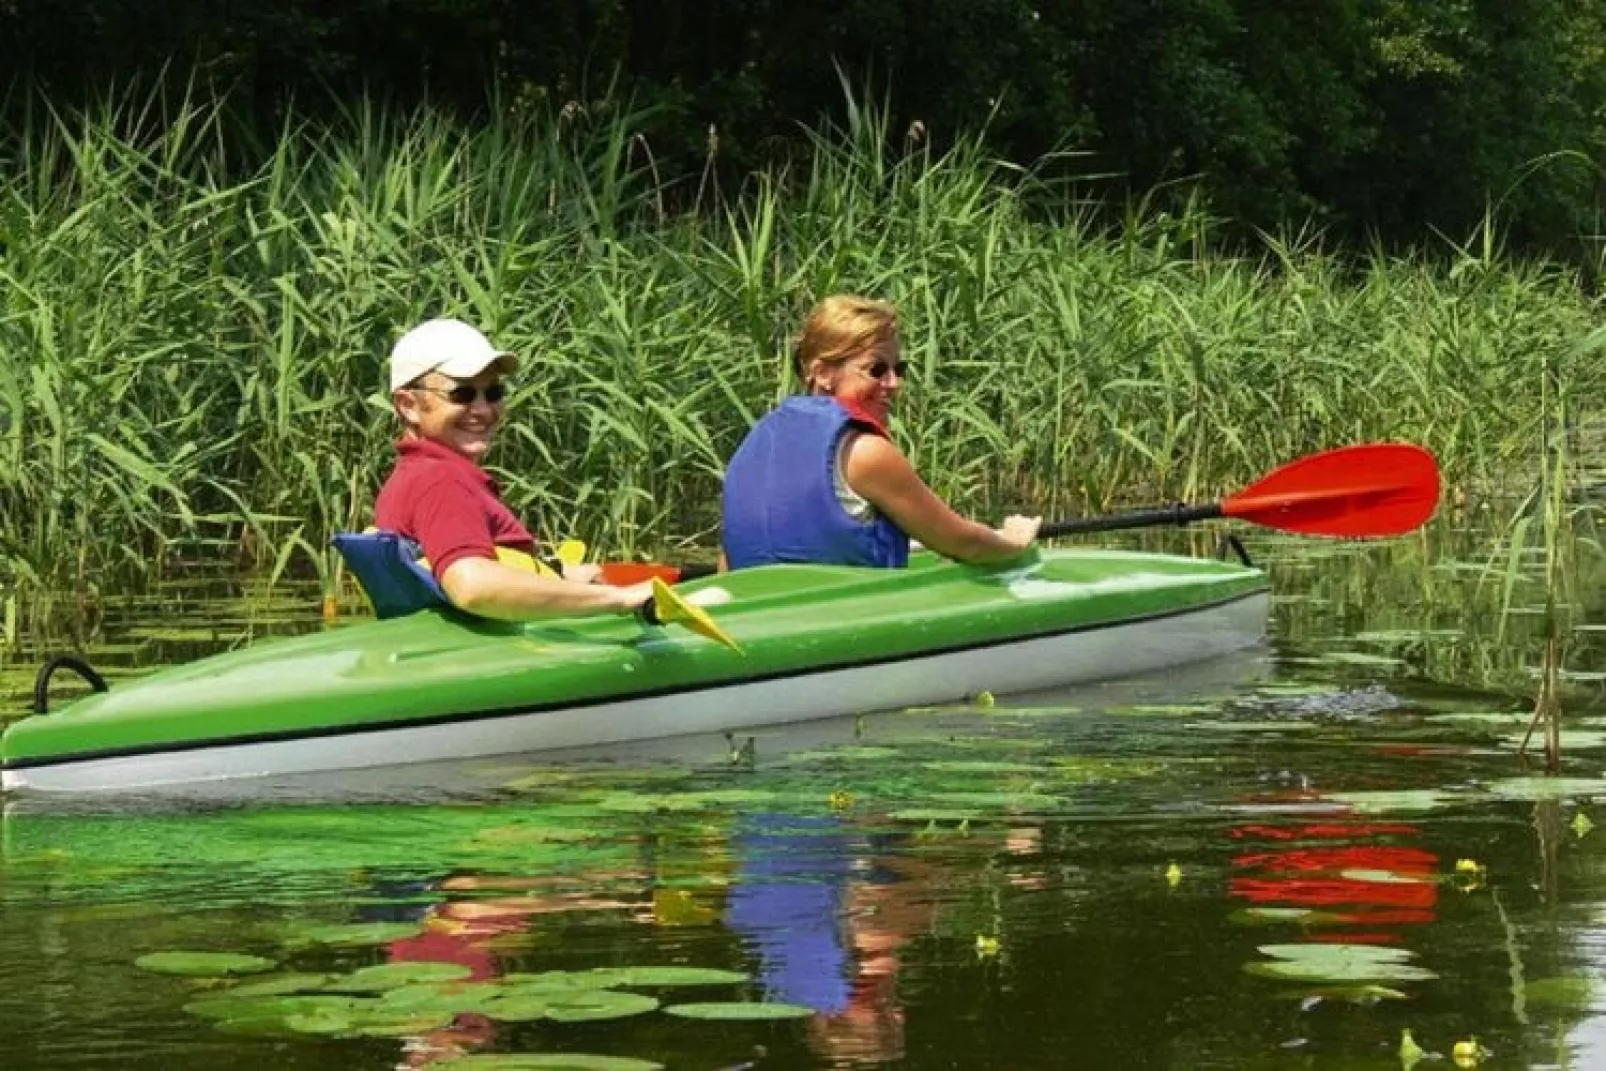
{"x": 1247, "y": 864}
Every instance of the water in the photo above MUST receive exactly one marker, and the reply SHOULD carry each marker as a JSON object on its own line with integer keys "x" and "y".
{"x": 1280, "y": 860}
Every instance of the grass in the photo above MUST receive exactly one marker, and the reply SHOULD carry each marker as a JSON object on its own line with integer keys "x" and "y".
{"x": 193, "y": 339}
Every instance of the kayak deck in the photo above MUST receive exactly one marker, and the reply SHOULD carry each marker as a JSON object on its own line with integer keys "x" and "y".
{"x": 817, "y": 641}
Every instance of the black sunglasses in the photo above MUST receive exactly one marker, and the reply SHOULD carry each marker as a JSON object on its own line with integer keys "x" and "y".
{"x": 881, "y": 369}
{"x": 466, "y": 393}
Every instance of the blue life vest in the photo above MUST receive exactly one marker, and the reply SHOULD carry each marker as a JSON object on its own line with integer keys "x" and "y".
{"x": 387, "y": 566}
{"x": 780, "y": 501}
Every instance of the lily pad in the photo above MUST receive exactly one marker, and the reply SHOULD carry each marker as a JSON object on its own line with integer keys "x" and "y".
{"x": 204, "y": 964}
{"x": 408, "y": 1026}
{"x": 1548, "y": 788}
{"x": 584, "y": 1006}
{"x": 1333, "y": 962}
{"x": 1384, "y": 802}
{"x": 559, "y": 980}
{"x": 452, "y": 997}
{"x": 733, "y": 1011}
{"x": 383, "y": 976}
{"x": 515, "y": 1008}
{"x": 626, "y": 977}
{"x": 357, "y": 934}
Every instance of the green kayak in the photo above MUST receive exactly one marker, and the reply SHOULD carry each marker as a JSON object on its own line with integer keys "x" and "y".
{"x": 817, "y": 641}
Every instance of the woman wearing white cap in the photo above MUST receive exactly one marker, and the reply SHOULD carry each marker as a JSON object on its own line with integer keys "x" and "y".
{"x": 446, "y": 382}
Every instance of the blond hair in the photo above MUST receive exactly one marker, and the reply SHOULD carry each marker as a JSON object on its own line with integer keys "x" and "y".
{"x": 839, "y": 327}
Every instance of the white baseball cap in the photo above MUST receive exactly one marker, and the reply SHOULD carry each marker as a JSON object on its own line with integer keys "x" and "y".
{"x": 450, "y": 347}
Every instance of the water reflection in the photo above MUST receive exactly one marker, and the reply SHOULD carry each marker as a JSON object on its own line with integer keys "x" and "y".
{"x": 1340, "y": 874}
{"x": 977, "y": 888}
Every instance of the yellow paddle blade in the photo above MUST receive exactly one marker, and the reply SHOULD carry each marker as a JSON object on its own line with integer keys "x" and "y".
{"x": 571, "y": 552}
{"x": 672, "y": 606}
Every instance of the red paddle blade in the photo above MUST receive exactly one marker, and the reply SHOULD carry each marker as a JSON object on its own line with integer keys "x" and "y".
{"x": 624, "y": 574}
{"x": 1375, "y": 489}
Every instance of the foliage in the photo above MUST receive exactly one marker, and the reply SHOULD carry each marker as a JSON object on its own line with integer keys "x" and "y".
{"x": 1394, "y": 116}
{"x": 192, "y": 359}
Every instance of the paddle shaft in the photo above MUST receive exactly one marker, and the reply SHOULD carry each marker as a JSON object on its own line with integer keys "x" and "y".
{"x": 1144, "y": 518}
{"x": 1362, "y": 491}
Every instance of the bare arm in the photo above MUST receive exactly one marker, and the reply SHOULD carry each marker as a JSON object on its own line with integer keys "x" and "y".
{"x": 877, "y": 470}
{"x": 487, "y": 588}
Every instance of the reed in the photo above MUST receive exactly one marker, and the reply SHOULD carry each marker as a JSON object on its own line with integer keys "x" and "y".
{"x": 192, "y": 338}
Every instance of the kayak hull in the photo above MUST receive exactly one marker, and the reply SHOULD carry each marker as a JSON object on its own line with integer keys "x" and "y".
{"x": 438, "y": 687}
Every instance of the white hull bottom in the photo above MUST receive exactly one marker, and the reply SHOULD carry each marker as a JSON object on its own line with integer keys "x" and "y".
{"x": 1028, "y": 665}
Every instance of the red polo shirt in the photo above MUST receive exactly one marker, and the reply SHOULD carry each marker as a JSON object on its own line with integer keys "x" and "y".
{"x": 448, "y": 505}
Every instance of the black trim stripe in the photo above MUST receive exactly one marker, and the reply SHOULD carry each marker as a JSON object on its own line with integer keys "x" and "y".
{"x": 246, "y": 739}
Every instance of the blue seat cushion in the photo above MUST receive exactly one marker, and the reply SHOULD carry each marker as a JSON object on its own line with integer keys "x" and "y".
{"x": 387, "y": 566}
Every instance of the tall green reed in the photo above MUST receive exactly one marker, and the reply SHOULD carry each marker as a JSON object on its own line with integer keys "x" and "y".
{"x": 192, "y": 339}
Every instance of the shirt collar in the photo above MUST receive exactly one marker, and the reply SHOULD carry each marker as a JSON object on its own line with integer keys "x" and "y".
{"x": 430, "y": 450}
{"x": 860, "y": 415}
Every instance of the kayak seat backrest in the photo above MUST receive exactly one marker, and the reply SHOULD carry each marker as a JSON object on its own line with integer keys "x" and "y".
{"x": 387, "y": 566}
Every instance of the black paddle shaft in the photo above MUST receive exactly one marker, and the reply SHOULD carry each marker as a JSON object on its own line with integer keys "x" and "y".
{"x": 648, "y": 612}
{"x": 1143, "y": 518}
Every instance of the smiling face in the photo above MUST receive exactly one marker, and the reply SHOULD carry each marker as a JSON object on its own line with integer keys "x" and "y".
{"x": 465, "y": 427}
{"x": 849, "y": 350}
{"x": 868, "y": 379}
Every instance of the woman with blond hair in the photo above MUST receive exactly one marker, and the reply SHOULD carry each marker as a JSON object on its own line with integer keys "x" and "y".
{"x": 819, "y": 479}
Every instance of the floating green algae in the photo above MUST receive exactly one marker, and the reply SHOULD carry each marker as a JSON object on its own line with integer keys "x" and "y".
{"x": 203, "y": 964}
{"x": 647, "y": 803}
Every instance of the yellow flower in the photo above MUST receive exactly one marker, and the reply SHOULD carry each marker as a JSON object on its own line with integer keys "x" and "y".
{"x": 840, "y": 800}
{"x": 1468, "y": 1053}
{"x": 986, "y": 946}
{"x": 1468, "y": 866}
{"x": 1173, "y": 875}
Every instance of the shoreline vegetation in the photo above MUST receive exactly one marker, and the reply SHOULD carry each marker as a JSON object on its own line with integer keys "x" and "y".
{"x": 193, "y": 347}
